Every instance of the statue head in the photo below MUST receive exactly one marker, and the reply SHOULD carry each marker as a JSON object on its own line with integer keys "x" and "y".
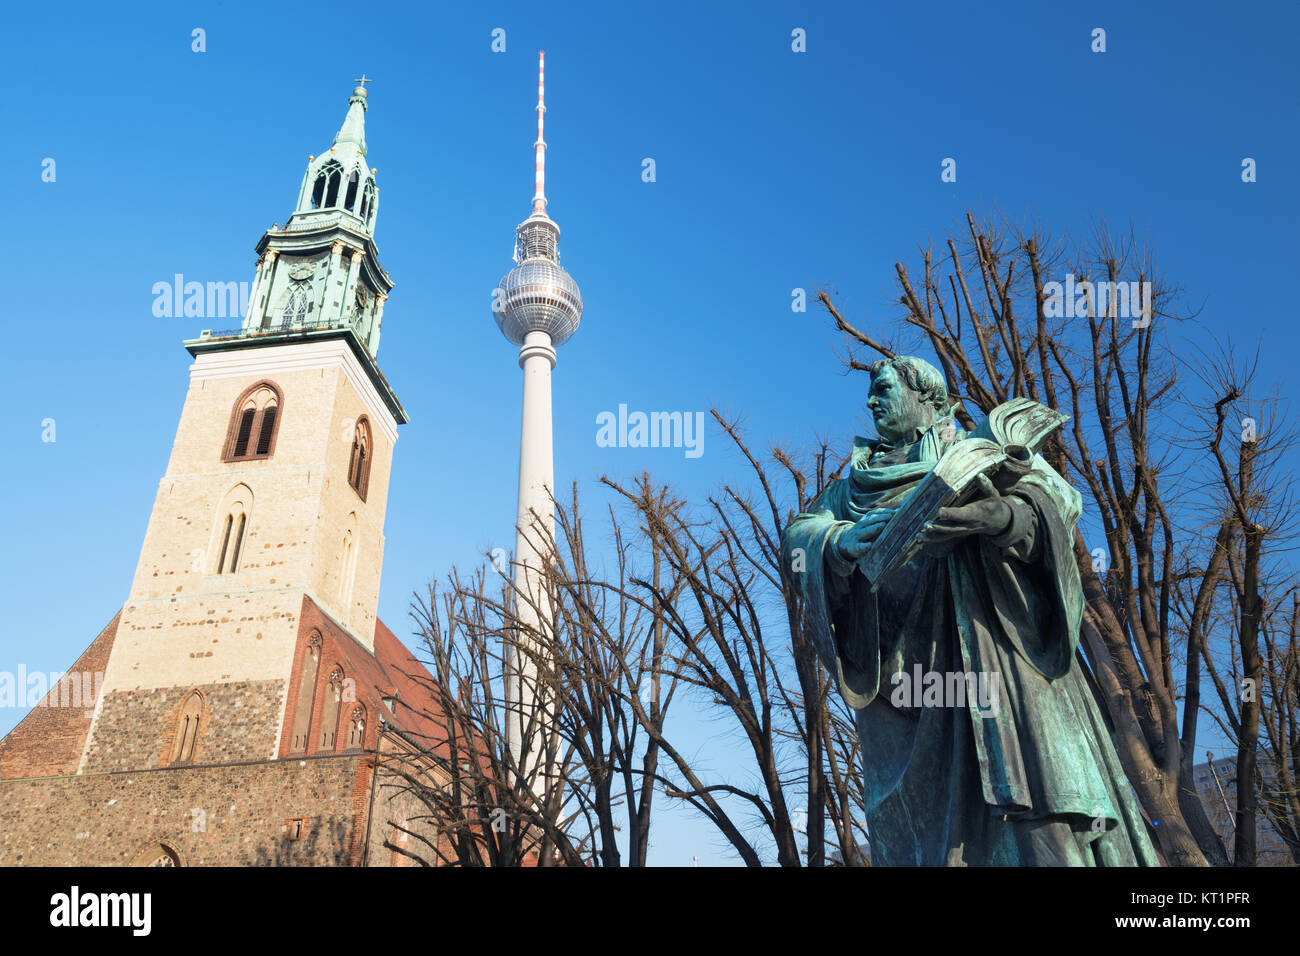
{"x": 907, "y": 396}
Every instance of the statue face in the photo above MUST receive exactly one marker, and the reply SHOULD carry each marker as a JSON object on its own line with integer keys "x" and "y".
{"x": 898, "y": 411}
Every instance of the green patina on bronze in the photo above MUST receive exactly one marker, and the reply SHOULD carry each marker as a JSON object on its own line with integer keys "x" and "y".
{"x": 1029, "y": 777}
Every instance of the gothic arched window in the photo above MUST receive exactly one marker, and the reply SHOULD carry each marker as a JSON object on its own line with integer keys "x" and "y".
{"x": 253, "y": 423}
{"x": 230, "y": 530}
{"x": 306, "y": 694}
{"x": 296, "y": 302}
{"x": 359, "y": 461}
{"x": 372, "y": 196}
{"x": 350, "y": 201}
{"x": 187, "y": 728}
{"x": 232, "y": 537}
{"x": 368, "y": 200}
{"x": 348, "y": 561}
{"x": 329, "y": 722}
{"x": 325, "y": 191}
{"x": 357, "y": 728}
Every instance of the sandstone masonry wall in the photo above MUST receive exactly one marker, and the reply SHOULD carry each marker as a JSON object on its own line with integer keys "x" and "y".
{"x": 232, "y": 815}
{"x": 136, "y": 729}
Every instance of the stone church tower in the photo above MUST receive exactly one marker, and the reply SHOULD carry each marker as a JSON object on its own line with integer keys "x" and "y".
{"x": 247, "y": 682}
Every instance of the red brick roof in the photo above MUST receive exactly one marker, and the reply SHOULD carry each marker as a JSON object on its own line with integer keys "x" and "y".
{"x": 48, "y": 742}
{"x": 417, "y": 708}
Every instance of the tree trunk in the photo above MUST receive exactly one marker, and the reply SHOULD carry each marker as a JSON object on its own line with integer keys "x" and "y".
{"x": 1245, "y": 849}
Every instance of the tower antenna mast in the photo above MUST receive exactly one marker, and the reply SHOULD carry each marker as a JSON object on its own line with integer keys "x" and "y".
{"x": 539, "y": 193}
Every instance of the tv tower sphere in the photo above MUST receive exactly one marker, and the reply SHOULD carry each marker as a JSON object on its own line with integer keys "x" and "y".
{"x": 538, "y": 295}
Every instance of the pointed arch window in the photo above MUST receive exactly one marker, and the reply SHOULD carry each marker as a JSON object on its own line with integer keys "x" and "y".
{"x": 187, "y": 728}
{"x": 348, "y": 561}
{"x": 354, "y": 183}
{"x": 325, "y": 191}
{"x": 368, "y": 202}
{"x": 232, "y": 539}
{"x": 359, "y": 460}
{"x": 297, "y": 303}
{"x": 329, "y": 723}
{"x": 230, "y": 530}
{"x": 254, "y": 423}
{"x": 357, "y": 728}
{"x": 306, "y": 694}
{"x": 374, "y": 204}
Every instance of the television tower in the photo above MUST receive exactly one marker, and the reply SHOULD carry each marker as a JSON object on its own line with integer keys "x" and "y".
{"x": 537, "y": 307}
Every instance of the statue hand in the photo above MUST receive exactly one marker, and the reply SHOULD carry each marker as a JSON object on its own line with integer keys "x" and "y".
{"x": 855, "y": 541}
{"x": 986, "y": 514}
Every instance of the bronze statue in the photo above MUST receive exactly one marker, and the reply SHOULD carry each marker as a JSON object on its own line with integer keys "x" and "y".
{"x": 982, "y": 742}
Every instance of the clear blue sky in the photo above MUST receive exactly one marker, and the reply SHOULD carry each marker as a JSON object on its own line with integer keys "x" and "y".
{"x": 774, "y": 170}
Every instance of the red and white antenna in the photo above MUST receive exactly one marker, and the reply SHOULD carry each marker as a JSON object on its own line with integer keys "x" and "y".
{"x": 539, "y": 195}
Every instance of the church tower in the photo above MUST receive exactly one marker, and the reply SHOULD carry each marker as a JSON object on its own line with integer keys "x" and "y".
{"x": 248, "y": 657}
{"x": 278, "y": 478}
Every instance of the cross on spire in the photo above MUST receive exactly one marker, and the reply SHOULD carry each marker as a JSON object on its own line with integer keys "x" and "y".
{"x": 363, "y": 81}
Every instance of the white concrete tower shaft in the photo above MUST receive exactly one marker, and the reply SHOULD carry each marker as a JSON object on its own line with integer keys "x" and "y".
{"x": 535, "y": 525}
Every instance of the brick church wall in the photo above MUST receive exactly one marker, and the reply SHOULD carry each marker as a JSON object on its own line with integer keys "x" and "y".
{"x": 231, "y": 815}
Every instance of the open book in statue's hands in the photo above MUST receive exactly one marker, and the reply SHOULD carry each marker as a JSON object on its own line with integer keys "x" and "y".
{"x": 1002, "y": 447}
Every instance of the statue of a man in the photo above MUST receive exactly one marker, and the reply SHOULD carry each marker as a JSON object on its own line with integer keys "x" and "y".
{"x": 982, "y": 743}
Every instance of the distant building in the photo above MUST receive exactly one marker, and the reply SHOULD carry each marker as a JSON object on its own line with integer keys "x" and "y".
{"x": 1216, "y": 784}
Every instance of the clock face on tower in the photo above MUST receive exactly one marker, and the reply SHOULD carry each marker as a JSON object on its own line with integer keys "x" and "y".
{"x": 362, "y": 300}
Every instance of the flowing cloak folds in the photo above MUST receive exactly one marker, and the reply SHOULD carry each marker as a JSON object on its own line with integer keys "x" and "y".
{"x": 1027, "y": 776}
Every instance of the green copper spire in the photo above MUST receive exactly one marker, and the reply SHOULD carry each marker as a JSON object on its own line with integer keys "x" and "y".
{"x": 353, "y": 130}
{"x": 318, "y": 276}
{"x": 338, "y": 179}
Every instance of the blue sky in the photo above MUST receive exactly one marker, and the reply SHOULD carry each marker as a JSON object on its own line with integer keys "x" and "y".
{"x": 774, "y": 170}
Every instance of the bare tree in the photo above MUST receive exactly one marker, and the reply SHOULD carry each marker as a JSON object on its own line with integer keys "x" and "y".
{"x": 598, "y": 697}
{"x": 488, "y": 807}
{"x": 677, "y": 601}
{"x": 727, "y": 644}
{"x": 1250, "y": 497}
{"x": 1279, "y": 783}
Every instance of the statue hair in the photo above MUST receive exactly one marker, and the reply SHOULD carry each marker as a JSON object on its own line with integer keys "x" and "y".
{"x": 921, "y": 377}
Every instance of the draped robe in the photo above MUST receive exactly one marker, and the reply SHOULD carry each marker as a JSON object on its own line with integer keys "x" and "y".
{"x": 1032, "y": 780}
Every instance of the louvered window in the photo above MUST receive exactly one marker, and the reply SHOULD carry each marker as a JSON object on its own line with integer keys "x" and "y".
{"x": 266, "y": 431}
{"x": 254, "y": 423}
{"x": 245, "y": 431}
{"x": 359, "y": 461}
